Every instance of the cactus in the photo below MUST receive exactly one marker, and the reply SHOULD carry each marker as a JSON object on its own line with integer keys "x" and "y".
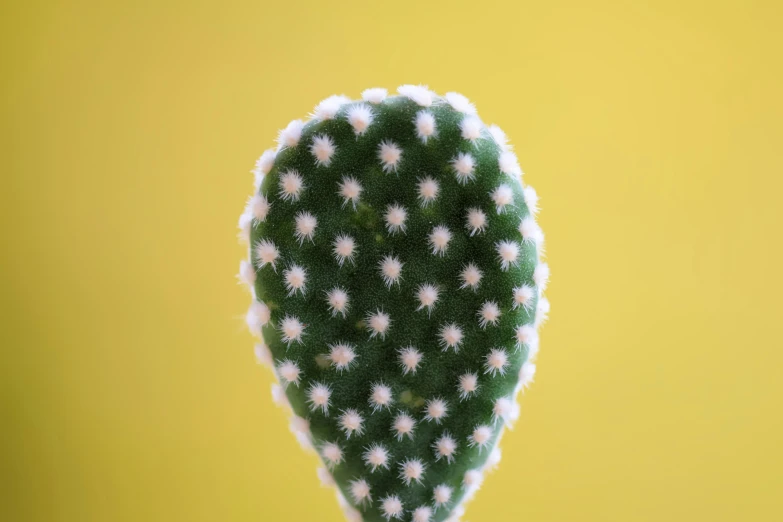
{"x": 395, "y": 266}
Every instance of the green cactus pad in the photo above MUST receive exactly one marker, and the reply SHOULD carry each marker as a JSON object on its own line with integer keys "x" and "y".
{"x": 395, "y": 267}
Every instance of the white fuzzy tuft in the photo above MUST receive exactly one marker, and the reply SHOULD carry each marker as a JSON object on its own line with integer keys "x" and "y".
{"x": 376, "y": 456}
{"x": 437, "y": 410}
{"x": 360, "y": 118}
{"x": 418, "y": 93}
{"x": 323, "y": 148}
{"x": 505, "y": 409}
{"x": 395, "y": 217}
{"x": 473, "y": 479}
{"x": 390, "y": 155}
{"x": 292, "y": 330}
{"x": 403, "y": 425}
{"x": 441, "y": 495}
{"x": 263, "y": 166}
{"x": 411, "y": 470}
{"x": 523, "y": 296}
{"x": 290, "y": 136}
{"x": 318, "y": 396}
{"x": 500, "y": 137}
{"x": 439, "y": 240}
{"x": 542, "y": 311}
{"x": 531, "y": 199}
{"x": 460, "y": 103}
{"x": 245, "y": 224}
{"x": 508, "y": 164}
{"x": 289, "y": 372}
{"x": 527, "y": 336}
{"x": 301, "y": 429}
{"x": 332, "y": 454}
{"x": 259, "y": 206}
{"x": 295, "y": 278}
{"x": 410, "y": 358}
{"x": 426, "y": 126}
{"x": 508, "y": 253}
{"x": 328, "y": 108}
{"x": 464, "y": 166}
{"x": 471, "y": 128}
{"x": 279, "y": 397}
{"x": 468, "y": 385}
{"x": 541, "y": 276}
{"x": 445, "y": 447}
{"x": 338, "y": 301}
{"x": 450, "y": 337}
{"x": 428, "y": 191}
{"x": 527, "y": 374}
{"x": 480, "y": 437}
{"x": 381, "y": 397}
{"x": 351, "y": 422}
{"x": 531, "y": 232}
{"x": 342, "y": 355}
{"x": 291, "y": 186}
{"x": 470, "y": 277}
{"x": 378, "y": 324}
{"x": 375, "y": 95}
{"x": 350, "y": 190}
{"x": 391, "y": 506}
{"x": 305, "y": 226}
{"x": 497, "y": 362}
{"x": 325, "y": 477}
{"x": 258, "y": 315}
{"x": 263, "y": 355}
{"x": 427, "y": 295}
{"x": 360, "y": 491}
{"x": 266, "y": 254}
{"x": 422, "y": 514}
{"x": 344, "y": 249}
{"x": 352, "y": 514}
{"x": 503, "y": 196}
{"x": 391, "y": 270}
{"x": 476, "y": 221}
{"x": 489, "y": 314}
{"x": 493, "y": 460}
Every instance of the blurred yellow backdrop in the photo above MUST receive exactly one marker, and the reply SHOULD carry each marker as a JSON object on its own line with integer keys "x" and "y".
{"x": 652, "y": 131}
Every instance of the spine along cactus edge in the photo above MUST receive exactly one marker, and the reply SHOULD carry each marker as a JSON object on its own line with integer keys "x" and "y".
{"x": 395, "y": 266}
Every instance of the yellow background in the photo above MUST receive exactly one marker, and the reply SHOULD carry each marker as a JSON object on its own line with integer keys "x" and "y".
{"x": 650, "y": 129}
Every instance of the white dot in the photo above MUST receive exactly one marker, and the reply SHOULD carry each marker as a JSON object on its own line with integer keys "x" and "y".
{"x": 318, "y": 397}
{"x": 476, "y": 221}
{"x": 427, "y": 295}
{"x": 260, "y": 206}
{"x": 403, "y": 425}
{"x": 392, "y": 507}
{"x": 292, "y": 330}
{"x": 503, "y": 196}
{"x": 441, "y": 495}
{"x": 263, "y": 354}
{"x": 351, "y": 422}
{"x": 437, "y": 409}
{"x": 420, "y": 94}
{"x": 425, "y": 125}
{"x": 439, "y": 240}
{"x": 305, "y": 226}
{"x": 323, "y": 148}
{"x": 460, "y": 103}
{"x": 531, "y": 232}
{"x": 395, "y": 218}
{"x": 489, "y": 314}
{"x": 381, "y": 396}
{"x": 350, "y": 190}
{"x": 290, "y": 136}
{"x": 527, "y": 338}
{"x": 527, "y": 373}
{"x": 410, "y": 358}
{"x": 422, "y": 514}
{"x": 473, "y": 479}
{"x": 445, "y": 447}
{"x": 506, "y": 410}
{"x": 289, "y": 372}
{"x": 497, "y": 362}
{"x": 291, "y": 185}
{"x": 391, "y": 269}
{"x": 480, "y": 437}
{"x": 428, "y": 191}
{"x": 328, "y": 108}
{"x": 266, "y": 254}
{"x": 468, "y": 385}
{"x": 338, "y": 300}
{"x": 378, "y": 323}
{"x": 464, "y": 166}
{"x": 344, "y": 249}
{"x": 508, "y": 163}
{"x": 342, "y": 355}
{"x": 470, "y": 276}
{"x": 523, "y": 296}
{"x": 531, "y": 199}
{"x": 376, "y": 456}
{"x": 508, "y": 254}
{"x": 541, "y": 276}
{"x": 411, "y": 470}
{"x": 374, "y": 95}
{"x": 542, "y": 311}
{"x": 263, "y": 166}
{"x": 295, "y": 279}
{"x": 500, "y": 137}
{"x": 360, "y": 118}
{"x": 258, "y": 315}
{"x": 332, "y": 454}
{"x": 390, "y": 155}
{"x": 325, "y": 477}
{"x": 360, "y": 491}
{"x": 471, "y": 128}
{"x": 450, "y": 337}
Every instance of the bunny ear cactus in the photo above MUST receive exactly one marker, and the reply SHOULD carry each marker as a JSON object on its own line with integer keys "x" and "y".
{"x": 395, "y": 266}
